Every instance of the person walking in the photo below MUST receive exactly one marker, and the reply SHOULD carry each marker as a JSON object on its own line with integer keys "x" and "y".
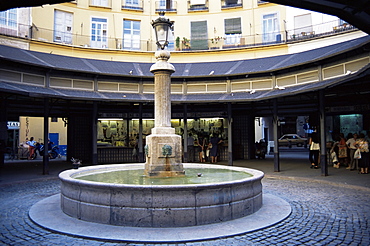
{"x": 314, "y": 150}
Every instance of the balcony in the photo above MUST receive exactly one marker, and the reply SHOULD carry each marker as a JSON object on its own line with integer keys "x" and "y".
{"x": 231, "y": 4}
{"x": 101, "y": 3}
{"x": 71, "y": 38}
{"x": 132, "y": 5}
{"x": 198, "y": 5}
{"x": 166, "y": 6}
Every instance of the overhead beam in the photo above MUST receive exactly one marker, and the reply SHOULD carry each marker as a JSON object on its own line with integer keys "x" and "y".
{"x": 356, "y": 13}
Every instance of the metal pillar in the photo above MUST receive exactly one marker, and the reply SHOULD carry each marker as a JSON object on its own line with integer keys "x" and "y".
{"x": 323, "y": 160}
{"x": 186, "y": 159}
{"x": 230, "y": 135}
{"x": 3, "y": 130}
{"x": 276, "y": 142}
{"x": 45, "y": 166}
{"x": 94, "y": 133}
{"x": 140, "y": 140}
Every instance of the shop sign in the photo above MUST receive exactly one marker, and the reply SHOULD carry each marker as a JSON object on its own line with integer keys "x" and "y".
{"x": 13, "y": 125}
{"x": 354, "y": 108}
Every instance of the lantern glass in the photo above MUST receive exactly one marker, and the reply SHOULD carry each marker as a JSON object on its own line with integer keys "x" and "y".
{"x": 161, "y": 31}
{"x": 161, "y": 27}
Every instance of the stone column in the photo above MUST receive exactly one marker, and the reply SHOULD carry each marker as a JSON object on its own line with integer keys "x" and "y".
{"x": 163, "y": 149}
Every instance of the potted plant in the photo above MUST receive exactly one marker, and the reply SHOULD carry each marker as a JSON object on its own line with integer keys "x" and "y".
{"x": 76, "y": 163}
{"x": 185, "y": 43}
{"x": 177, "y": 43}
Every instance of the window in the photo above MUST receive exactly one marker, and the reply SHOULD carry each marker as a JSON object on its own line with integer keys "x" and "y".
{"x": 102, "y": 3}
{"x": 162, "y": 4}
{"x": 99, "y": 33}
{"x": 233, "y": 31}
{"x": 271, "y": 28}
{"x": 303, "y": 24}
{"x": 132, "y": 4}
{"x": 131, "y": 35}
{"x": 232, "y": 3}
{"x": 9, "y": 18}
{"x": 199, "y": 35}
{"x": 168, "y": 5}
{"x": 198, "y": 5}
{"x": 63, "y": 27}
{"x": 197, "y": 2}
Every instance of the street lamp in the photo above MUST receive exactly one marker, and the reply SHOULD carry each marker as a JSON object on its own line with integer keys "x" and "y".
{"x": 161, "y": 28}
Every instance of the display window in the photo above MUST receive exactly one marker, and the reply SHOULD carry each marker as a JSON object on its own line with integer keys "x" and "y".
{"x": 125, "y": 133}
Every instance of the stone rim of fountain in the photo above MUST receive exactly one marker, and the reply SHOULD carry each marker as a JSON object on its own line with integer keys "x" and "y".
{"x": 66, "y": 175}
{"x": 159, "y": 205}
{"x": 47, "y": 214}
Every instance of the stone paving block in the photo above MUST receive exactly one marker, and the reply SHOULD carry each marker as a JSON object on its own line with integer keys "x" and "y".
{"x": 329, "y": 222}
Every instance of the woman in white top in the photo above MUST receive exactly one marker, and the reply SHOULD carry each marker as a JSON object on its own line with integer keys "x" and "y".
{"x": 314, "y": 150}
{"x": 31, "y": 149}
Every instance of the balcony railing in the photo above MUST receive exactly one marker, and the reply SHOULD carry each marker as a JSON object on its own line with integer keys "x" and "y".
{"x": 228, "y": 4}
{"x": 132, "y": 5}
{"x": 101, "y": 3}
{"x": 179, "y": 43}
{"x": 166, "y": 6}
{"x": 194, "y": 6}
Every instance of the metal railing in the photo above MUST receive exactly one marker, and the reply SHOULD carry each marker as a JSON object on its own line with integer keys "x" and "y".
{"x": 101, "y": 3}
{"x": 133, "y": 5}
{"x": 167, "y": 6}
{"x": 198, "y": 7}
{"x": 179, "y": 43}
{"x": 226, "y": 4}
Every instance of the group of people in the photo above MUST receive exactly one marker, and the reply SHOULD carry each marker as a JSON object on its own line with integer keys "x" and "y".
{"x": 352, "y": 152}
{"x": 208, "y": 147}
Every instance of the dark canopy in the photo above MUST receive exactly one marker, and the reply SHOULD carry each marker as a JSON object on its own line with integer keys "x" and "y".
{"x": 9, "y": 4}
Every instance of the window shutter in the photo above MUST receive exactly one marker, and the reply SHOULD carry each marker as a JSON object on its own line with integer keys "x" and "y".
{"x": 199, "y": 35}
{"x": 233, "y": 26}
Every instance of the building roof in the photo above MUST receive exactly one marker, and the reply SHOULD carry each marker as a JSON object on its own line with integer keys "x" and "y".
{"x": 37, "y": 91}
{"x": 183, "y": 70}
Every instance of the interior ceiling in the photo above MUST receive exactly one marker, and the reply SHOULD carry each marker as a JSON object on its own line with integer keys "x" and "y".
{"x": 355, "y": 12}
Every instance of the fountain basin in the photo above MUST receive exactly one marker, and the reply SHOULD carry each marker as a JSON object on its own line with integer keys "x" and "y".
{"x": 150, "y": 205}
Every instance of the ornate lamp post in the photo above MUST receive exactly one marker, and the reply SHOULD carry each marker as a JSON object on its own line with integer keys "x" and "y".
{"x": 163, "y": 149}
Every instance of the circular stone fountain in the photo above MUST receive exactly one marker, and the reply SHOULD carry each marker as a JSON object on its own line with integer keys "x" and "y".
{"x": 194, "y": 200}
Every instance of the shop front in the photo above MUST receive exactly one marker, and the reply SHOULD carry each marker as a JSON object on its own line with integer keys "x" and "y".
{"x": 123, "y": 140}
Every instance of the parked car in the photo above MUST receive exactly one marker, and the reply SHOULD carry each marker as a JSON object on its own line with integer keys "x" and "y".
{"x": 288, "y": 140}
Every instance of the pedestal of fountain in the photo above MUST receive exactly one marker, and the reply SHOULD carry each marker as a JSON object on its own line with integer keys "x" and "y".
{"x": 163, "y": 149}
{"x": 163, "y": 153}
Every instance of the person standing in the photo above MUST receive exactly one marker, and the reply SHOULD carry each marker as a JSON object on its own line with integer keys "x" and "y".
{"x": 31, "y": 147}
{"x": 214, "y": 141}
{"x": 364, "y": 161}
{"x": 314, "y": 150}
{"x": 190, "y": 148}
{"x": 353, "y": 165}
{"x": 202, "y": 151}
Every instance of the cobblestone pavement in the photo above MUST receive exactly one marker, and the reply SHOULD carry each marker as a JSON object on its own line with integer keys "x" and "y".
{"x": 322, "y": 214}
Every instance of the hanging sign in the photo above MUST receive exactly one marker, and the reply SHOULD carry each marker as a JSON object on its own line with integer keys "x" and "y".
{"x": 13, "y": 125}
